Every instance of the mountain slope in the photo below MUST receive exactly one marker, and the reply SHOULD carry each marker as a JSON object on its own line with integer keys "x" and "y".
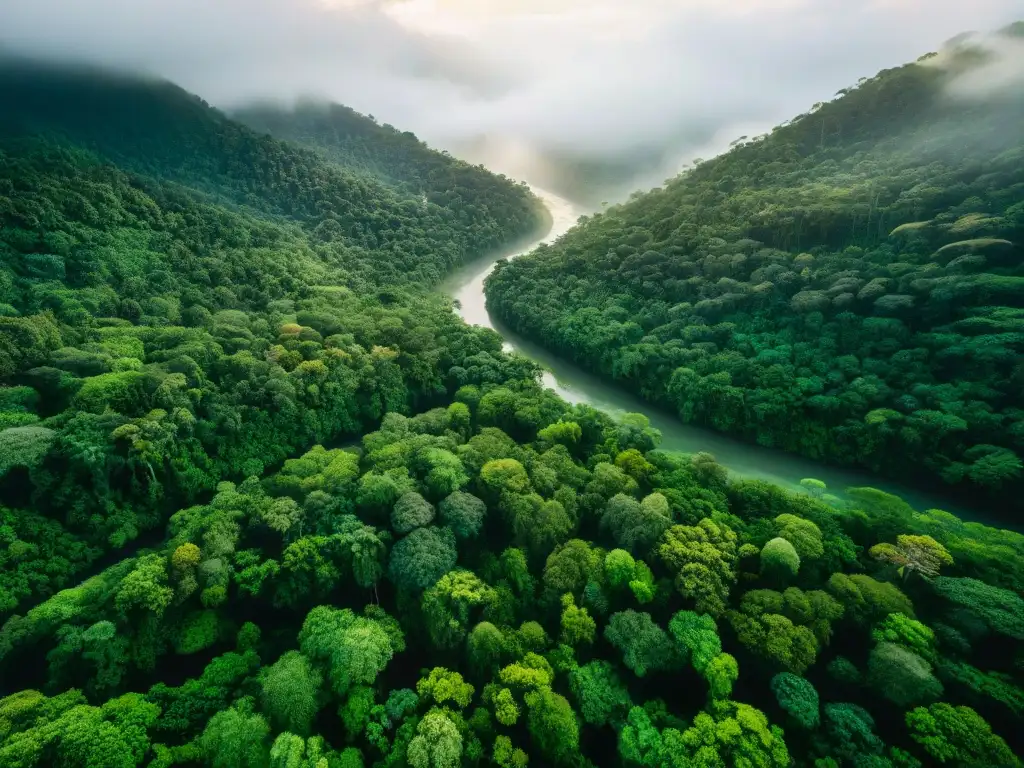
{"x": 183, "y": 301}
{"x": 398, "y": 158}
{"x": 849, "y": 287}
{"x": 156, "y": 129}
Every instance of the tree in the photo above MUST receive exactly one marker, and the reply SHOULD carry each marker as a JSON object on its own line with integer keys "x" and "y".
{"x": 531, "y": 636}
{"x": 400, "y": 702}
{"x": 529, "y": 673}
{"x": 958, "y": 736}
{"x": 913, "y": 554}
{"x": 901, "y": 630}
{"x": 655, "y": 505}
{"x": 798, "y": 698}
{"x": 578, "y": 628}
{"x": 505, "y": 708}
{"x": 850, "y": 734}
{"x": 421, "y": 558}
{"x": 24, "y": 446}
{"x": 502, "y": 476}
{"x": 290, "y": 690}
{"x": 569, "y": 568}
{"x": 552, "y": 725}
{"x": 411, "y": 511}
{"x": 449, "y": 604}
{"x": 992, "y": 466}
{"x": 234, "y": 739}
{"x": 721, "y": 673}
{"x": 282, "y": 515}
{"x": 445, "y": 473}
{"x": 619, "y": 567}
{"x": 600, "y": 694}
{"x": 609, "y": 480}
{"x": 380, "y": 491}
{"x": 634, "y": 526}
{"x": 355, "y": 712}
{"x": 779, "y": 558}
{"x": 642, "y": 584}
{"x": 464, "y": 513}
{"x": 633, "y": 463}
{"x": 291, "y": 751}
{"x": 443, "y": 685}
{"x": 486, "y": 646}
{"x": 354, "y": 649}
{"x": 184, "y": 562}
{"x": 703, "y": 561}
{"x": 844, "y": 671}
{"x": 199, "y": 630}
{"x": 776, "y": 638}
{"x": 145, "y": 588}
{"x": 757, "y": 743}
{"x": 107, "y": 653}
{"x": 437, "y": 743}
{"x": 508, "y": 757}
{"x": 901, "y": 676}
{"x": 697, "y": 638}
{"x": 538, "y": 525}
{"x": 804, "y": 535}
{"x": 645, "y": 646}
{"x": 1000, "y": 609}
{"x": 567, "y": 433}
{"x": 640, "y": 742}
{"x": 732, "y": 734}
{"x": 87, "y": 736}
{"x": 367, "y": 549}
{"x": 867, "y": 600}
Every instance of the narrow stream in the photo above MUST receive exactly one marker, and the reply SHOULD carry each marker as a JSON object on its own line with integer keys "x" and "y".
{"x": 575, "y": 385}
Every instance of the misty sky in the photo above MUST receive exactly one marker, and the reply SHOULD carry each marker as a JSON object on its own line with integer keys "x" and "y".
{"x": 597, "y": 79}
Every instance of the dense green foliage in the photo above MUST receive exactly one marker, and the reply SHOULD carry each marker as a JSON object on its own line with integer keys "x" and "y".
{"x": 154, "y": 341}
{"x": 372, "y": 229}
{"x": 350, "y": 635}
{"x": 848, "y": 287}
{"x": 201, "y": 564}
{"x": 399, "y": 159}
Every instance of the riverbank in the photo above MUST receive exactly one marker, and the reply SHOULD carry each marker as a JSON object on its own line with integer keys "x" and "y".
{"x": 572, "y": 383}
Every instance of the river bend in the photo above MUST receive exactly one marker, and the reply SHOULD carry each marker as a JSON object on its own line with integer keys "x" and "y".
{"x": 575, "y": 385}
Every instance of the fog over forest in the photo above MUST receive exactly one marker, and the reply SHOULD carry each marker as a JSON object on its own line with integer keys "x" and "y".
{"x": 624, "y": 93}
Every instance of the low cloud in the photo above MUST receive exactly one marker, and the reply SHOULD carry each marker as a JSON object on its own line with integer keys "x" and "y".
{"x": 594, "y": 97}
{"x": 997, "y": 70}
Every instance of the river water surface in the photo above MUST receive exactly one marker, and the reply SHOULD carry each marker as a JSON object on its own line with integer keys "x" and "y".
{"x": 575, "y": 385}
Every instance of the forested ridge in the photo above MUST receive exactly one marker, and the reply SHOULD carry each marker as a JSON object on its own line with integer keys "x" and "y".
{"x": 397, "y": 157}
{"x": 266, "y": 502}
{"x": 155, "y": 129}
{"x": 848, "y": 287}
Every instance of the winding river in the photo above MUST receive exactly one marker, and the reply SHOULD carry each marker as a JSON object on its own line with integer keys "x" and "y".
{"x": 575, "y": 385}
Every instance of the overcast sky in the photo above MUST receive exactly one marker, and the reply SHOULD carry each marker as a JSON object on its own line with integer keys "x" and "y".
{"x": 590, "y": 78}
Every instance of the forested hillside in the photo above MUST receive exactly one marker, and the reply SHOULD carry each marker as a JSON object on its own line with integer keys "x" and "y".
{"x": 155, "y": 340}
{"x": 155, "y": 129}
{"x": 849, "y": 287}
{"x": 396, "y": 157}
